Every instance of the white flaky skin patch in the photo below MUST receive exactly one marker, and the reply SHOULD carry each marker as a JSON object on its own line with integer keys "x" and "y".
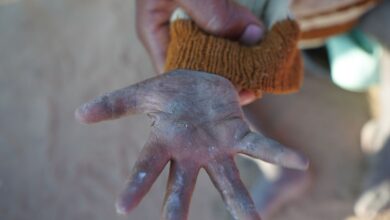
{"x": 269, "y": 11}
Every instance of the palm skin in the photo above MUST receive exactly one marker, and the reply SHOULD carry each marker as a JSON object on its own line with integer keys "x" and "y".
{"x": 197, "y": 123}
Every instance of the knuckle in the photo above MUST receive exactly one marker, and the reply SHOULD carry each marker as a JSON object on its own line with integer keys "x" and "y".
{"x": 225, "y": 22}
{"x": 220, "y": 22}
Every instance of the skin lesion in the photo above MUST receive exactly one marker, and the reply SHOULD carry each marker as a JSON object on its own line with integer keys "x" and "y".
{"x": 198, "y": 123}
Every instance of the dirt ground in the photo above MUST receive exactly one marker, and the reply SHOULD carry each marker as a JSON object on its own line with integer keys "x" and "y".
{"x": 56, "y": 54}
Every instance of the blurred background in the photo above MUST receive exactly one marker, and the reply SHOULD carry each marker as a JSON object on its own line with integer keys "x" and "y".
{"x": 57, "y": 54}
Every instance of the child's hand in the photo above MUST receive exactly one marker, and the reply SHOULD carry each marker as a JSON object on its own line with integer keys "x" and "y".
{"x": 223, "y": 18}
{"x": 197, "y": 123}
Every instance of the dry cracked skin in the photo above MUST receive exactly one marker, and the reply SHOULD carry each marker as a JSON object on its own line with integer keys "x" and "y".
{"x": 197, "y": 123}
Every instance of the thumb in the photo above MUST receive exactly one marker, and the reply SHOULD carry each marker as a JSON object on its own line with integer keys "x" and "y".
{"x": 225, "y": 18}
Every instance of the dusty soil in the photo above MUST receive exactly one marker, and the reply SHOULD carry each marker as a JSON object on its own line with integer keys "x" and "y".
{"x": 54, "y": 55}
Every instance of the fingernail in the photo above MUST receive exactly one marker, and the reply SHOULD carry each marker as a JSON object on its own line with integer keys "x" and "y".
{"x": 120, "y": 209}
{"x": 252, "y": 34}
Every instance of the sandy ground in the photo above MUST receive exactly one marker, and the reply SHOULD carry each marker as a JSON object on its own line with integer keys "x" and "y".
{"x": 54, "y": 55}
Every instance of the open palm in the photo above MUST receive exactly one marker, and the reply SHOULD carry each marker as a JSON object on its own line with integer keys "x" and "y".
{"x": 197, "y": 123}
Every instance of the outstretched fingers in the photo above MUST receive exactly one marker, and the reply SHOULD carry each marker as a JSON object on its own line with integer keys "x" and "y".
{"x": 149, "y": 165}
{"x": 263, "y": 148}
{"x": 226, "y": 178}
{"x": 181, "y": 183}
{"x": 129, "y": 100}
